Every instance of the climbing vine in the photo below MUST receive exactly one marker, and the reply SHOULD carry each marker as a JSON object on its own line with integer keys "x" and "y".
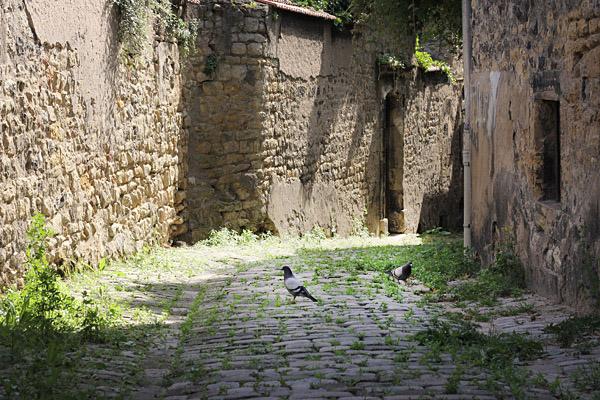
{"x": 133, "y": 25}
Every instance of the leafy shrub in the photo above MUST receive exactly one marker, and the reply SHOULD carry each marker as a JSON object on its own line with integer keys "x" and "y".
{"x": 425, "y": 62}
{"x": 42, "y": 309}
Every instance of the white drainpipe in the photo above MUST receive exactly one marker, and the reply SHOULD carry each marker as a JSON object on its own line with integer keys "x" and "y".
{"x": 466, "y": 31}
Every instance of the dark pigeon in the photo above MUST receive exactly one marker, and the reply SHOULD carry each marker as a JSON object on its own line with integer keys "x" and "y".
{"x": 401, "y": 273}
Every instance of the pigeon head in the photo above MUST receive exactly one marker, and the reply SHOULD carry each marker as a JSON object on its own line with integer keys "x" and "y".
{"x": 287, "y": 271}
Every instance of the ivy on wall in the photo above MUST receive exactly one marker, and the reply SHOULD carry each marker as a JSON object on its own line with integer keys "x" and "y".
{"x": 134, "y": 16}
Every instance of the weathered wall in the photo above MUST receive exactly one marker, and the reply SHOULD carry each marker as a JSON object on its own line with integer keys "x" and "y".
{"x": 279, "y": 139}
{"x": 93, "y": 145}
{"x": 284, "y": 115}
{"x": 425, "y": 167}
{"x": 286, "y": 132}
{"x": 323, "y": 130}
{"x": 524, "y": 53}
{"x": 224, "y": 115}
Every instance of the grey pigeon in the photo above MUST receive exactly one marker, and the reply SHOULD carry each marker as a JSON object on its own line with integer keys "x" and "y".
{"x": 293, "y": 285}
{"x": 401, "y": 273}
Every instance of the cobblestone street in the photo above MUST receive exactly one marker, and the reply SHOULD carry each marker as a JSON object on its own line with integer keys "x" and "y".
{"x": 217, "y": 322}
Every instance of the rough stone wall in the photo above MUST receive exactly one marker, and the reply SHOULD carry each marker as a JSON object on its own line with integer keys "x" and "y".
{"x": 93, "y": 145}
{"x": 425, "y": 172}
{"x": 286, "y": 131}
{"x": 525, "y": 53}
{"x": 224, "y": 114}
{"x": 322, "y": 135}
{"x": 281, "y": 132}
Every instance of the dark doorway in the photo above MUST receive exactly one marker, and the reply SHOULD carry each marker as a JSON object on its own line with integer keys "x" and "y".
{"x": 393, "y": 165}
{"x": 547, "y": 137}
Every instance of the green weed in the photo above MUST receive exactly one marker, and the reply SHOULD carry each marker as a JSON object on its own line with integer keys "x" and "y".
{"x": 574, "y": 329}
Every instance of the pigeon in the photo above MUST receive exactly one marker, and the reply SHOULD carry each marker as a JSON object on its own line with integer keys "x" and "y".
{"x": 401, "y": 273}
{"x": 293, "y": 285}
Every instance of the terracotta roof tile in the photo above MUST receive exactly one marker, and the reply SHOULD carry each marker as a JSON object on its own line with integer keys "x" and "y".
{"x": 288, "y": 6}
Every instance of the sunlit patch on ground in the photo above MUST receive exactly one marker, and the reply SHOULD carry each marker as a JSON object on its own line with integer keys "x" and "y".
{"x": 215, "y": 321}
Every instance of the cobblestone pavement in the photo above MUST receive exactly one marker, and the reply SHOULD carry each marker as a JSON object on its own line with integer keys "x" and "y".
{"x": 226, "y": 328}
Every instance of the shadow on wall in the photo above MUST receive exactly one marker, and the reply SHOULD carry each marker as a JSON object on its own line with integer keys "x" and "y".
{"x": 322, "y": 127}
{"x": 343, "y": 130}
{"x": 444, "y": 209}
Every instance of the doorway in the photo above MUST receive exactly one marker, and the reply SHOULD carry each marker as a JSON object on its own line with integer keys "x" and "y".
{"x": 392, "y": 176}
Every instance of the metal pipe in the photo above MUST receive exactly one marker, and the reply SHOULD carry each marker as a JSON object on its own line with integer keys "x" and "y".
{"x": 466, "y": 152}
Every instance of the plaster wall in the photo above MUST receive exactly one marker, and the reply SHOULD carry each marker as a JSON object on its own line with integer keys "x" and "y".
{"x": 525, "y": 53}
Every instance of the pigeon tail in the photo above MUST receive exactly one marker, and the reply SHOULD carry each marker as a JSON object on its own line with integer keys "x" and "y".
{"x": 304, "y": 292}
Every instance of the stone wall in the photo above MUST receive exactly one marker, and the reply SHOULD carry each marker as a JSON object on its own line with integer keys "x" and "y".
{"x": 322, "y": 134}
{"x": 286, "y": 132}
{"x": 275, "y": 123}
{"x": 224, "y": 116}
{"x": 424, "y": 175}
{"x": 92, "y": 144}
{"x": 528, "y": 56}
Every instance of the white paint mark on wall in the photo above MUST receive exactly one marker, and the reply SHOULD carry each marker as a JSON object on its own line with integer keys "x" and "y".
{"x": 491, "y": 114}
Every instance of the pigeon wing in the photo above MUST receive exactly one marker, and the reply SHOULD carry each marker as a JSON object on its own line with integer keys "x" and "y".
{"x": 292, "y": 283}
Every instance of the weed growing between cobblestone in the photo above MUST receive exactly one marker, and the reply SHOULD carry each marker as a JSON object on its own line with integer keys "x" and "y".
{"x": 575, "y": 330}
{"x": 496, "y": 353}
{"x": 587, "y": 379}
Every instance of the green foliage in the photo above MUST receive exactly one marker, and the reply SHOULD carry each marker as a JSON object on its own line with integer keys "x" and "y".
{"x": 339, "y": 8}
{"x": 42, "y": 308}
{"x": 315, "y": 236}
{"x": 211, "y": 64}
{"x": 471, "y": 348}
{"x": 426, "y": 62}
{"x": 133, "y": 25}
{"x": 574, "y": 329}
{"x": 358, "y": 345}
{"x": 229, "y": 237}
{"x": 391, "y": 61}
{"x": 41, "y": 323}
{"x": 506, "y": 277}
{"x": 588, "y": 378}
{"x": 430, "y": 19}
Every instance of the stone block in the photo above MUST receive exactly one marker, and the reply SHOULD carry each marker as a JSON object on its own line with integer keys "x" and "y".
{"x": 251, "y": 24}
{"x": 255, "y": 49}
{"x": 238, "y": 49}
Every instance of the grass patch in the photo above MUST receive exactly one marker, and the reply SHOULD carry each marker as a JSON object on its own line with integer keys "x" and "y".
{"x": 574, "y": 329}
{"x": 505, "y": 277}
{"x": 42, "y": 325}
{"x": 357, "y": 346}
{"x": 587, "y": 379}
{"x": 469, "y": 348}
